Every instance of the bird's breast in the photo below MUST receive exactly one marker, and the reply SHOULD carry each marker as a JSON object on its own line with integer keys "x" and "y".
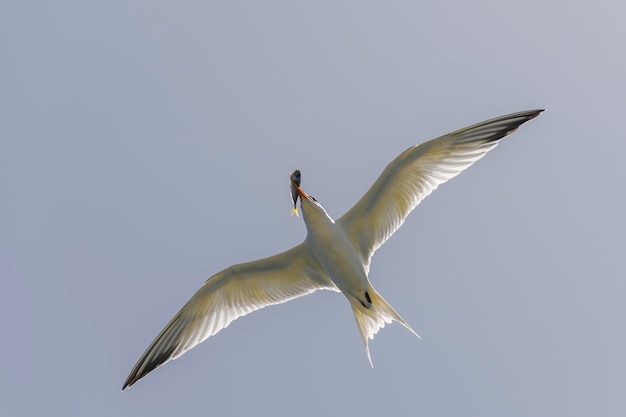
{"x": 339, "y": 259}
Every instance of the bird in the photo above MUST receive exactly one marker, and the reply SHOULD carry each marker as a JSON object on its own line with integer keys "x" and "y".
{"x": 335, "y": 254}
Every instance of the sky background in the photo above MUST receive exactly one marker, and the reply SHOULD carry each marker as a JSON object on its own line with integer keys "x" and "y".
{"x": 145, "y": 145}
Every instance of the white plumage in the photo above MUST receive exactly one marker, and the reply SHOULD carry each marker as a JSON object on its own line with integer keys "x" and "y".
{"x": 335, "y": 255}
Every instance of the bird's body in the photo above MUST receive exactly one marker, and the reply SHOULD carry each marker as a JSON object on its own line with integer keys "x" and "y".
{"x": 342, "y": 264}
{"x": 335, "y": 255}
{"x": 339, "y": 260}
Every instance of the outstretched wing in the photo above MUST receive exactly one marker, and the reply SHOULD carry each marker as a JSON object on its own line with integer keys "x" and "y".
{"x": 417, "y": 172}
{"x": 228, "y": 295}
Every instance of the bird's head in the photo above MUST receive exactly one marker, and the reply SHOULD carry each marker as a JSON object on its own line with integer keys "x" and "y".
{"x": 310, "y": 206}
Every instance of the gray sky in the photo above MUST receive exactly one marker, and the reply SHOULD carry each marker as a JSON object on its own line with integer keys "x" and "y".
{"x": 145, "y": 145}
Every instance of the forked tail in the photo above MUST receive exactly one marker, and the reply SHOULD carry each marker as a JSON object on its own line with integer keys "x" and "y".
{"x": 371, "y": 320}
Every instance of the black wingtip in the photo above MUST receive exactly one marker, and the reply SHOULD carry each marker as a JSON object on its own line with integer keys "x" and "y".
{"x": 526, "y": 115}
{"x": 129, "y": 382}
{"x": 535, "y": 113}
{"x": 502, "y": 126}
{"x": 148, "y": 363}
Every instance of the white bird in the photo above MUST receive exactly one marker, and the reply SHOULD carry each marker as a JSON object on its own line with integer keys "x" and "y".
{"x": 335, "y": 255}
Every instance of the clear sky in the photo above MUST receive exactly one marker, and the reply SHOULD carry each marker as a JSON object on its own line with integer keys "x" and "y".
{"x": 145, "y": 145}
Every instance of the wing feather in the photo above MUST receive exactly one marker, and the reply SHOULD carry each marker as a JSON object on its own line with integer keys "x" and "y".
{"x": 228, "y": 295}
{"x": 417, "y": 172}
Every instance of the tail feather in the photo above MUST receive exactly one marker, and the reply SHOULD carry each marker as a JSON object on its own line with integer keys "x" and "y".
{"x": 371, "y": 320}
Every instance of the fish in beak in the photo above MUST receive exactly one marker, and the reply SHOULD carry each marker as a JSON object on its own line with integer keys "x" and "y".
{"x": 295, "y": 187}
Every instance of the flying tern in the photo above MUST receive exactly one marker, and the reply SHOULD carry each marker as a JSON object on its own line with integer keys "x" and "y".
{"x": 335, "y": 254}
